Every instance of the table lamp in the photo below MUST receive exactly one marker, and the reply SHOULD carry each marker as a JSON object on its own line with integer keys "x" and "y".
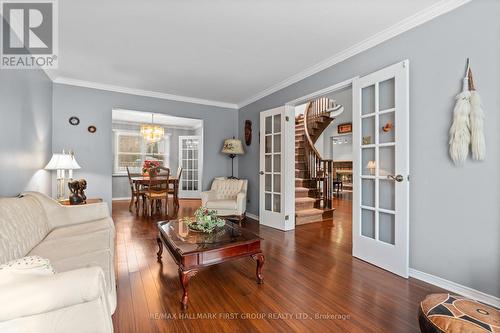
{"x": 232, "y": 147}
{"x": 61, "y": 163}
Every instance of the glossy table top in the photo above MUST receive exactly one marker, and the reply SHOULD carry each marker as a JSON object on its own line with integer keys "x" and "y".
{"x": 186, "y": 240}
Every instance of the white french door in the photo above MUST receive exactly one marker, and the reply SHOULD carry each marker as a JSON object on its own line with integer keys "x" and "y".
{"x": 381, "y": 168}
{"x": 274, "y": 205}
{"x": 191, "y": 161}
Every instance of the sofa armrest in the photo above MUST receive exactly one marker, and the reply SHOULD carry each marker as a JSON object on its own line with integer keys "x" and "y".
{"x": 207, "y": 196}
{"x": 241, "y": 202}
{"x": 67, "y": 215}
{"x": 43, "y": 294}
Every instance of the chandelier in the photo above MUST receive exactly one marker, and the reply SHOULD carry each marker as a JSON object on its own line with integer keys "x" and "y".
{"x": 151, "y": 132}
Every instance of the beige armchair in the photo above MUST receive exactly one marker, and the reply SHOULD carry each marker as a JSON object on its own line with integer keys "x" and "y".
{"x": 228, "y": 197}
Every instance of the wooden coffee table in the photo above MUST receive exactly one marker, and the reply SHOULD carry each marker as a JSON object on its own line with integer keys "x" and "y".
{"x": 193, "y": 250}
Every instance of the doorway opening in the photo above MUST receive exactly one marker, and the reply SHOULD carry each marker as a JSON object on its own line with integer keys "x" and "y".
{"x": 180, "y": 146}
{"x": 323, "y": 155}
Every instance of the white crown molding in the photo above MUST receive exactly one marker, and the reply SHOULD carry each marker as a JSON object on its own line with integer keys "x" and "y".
{"x": 455, "y": 287}
{"x": 139, "y": 92}
{"x": 411, "y": 22}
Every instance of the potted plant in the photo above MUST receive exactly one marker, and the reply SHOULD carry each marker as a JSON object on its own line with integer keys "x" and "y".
{"x": 205, "y": 220}
{"x": 151, "y": 168}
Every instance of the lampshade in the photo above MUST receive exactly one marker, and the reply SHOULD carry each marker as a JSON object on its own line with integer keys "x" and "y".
{"x": 62, "y": 162}
{"x": 232, "y": 146}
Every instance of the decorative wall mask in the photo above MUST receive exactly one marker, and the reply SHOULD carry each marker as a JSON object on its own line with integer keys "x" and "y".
{"x": 75, "y": 121}
{"x": 92, "y": 129}
{"x": 248, "y": 132}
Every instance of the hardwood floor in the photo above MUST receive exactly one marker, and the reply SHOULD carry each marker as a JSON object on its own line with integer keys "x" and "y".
{"x": 308, "y": 272}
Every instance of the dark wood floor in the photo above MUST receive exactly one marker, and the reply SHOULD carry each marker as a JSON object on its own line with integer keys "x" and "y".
{"x": 308, "y": 272}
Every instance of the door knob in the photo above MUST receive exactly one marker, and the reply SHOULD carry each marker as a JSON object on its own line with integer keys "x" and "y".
{"x": 397, "y": 178}
{"x": 261, "y": 173}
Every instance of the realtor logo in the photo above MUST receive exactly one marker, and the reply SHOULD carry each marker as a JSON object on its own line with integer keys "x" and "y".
{"x": 29, "y": 34}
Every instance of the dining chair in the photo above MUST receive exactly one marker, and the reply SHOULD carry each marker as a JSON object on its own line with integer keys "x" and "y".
{"x": 136, "y": 191}
{"x": 156, "y": 192}
{"x": 164, "y": 171}
{"x": 173, "y": 189}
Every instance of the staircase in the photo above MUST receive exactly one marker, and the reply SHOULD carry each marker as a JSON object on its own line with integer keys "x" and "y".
{"x": 313, "y": 174}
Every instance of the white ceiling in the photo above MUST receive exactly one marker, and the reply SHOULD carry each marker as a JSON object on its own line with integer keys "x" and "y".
{"x": 130, "y": 116}
{"x": 219, "y": 50}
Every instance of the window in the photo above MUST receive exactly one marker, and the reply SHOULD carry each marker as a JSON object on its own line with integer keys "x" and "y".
{"x": 131, "y": 150}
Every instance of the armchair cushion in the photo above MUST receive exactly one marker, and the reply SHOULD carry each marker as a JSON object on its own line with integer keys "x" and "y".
{"x": 221, "y": 204}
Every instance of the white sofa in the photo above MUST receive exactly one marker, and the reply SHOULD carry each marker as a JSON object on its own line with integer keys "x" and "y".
{"x": 79, "y": 241}
{"x": 227, "y": 196}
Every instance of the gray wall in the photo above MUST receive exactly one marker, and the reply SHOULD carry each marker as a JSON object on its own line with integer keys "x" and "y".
{"x": 121, "y": 187}
{"x": 455, "y": 212}
{"x": 94, "y": 151}
{"x": 25, "y": 131}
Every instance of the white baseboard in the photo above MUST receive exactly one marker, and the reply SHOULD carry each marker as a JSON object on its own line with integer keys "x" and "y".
{"x": 124, "y": 198}
{"x": 455, "y": 287}
{"x": 252, "y": 216}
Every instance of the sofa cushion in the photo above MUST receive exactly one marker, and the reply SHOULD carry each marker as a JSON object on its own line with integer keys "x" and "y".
{"x": 82, "y": 229}
{"x": 222, "y": 204}
{"x": 78, "y": 250}
{"x": 23, "y": 224}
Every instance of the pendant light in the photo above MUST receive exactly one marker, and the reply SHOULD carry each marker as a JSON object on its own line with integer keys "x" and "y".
{"x": 152, "y": 133}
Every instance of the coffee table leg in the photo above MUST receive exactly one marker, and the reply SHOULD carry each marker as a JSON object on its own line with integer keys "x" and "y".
{"x": 184, "y": 276}
{"x": 160, "y": 248}
{"x": 260, "y": 262}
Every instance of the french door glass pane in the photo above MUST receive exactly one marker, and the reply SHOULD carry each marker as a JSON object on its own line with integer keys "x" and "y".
{"x": 387, "y": 195}
{"x": 277, "y": 123}
{"x": 277, "y": 203}
{"x": 269, "y": 125}
{"x": 277, "y": 163}
{"x": 368, "y": 223}
{"x": 268, "y": 163}
{"x": 268, "y": 201}
{"x": 277, "y": 143}
{"x": 268, "y": 183}
{"x": 368, "y": 161}
{"x": 387, "y": 131}
{"x": 368, "y": 130}
{"x": 387, "y": 161}
{"x": 277, "y": 183}
{"x": 387, "y": 229}
{"x": 386, "y": 95}
{"x": 269, "y": 143}
{"x": 368, "y": 100}
{"x": 368, "y": 192}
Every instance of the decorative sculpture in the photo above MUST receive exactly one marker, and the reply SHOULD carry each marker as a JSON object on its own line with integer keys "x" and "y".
{"x": 77, "y": 188}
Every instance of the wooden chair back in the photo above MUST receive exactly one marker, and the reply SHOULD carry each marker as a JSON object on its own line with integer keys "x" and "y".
{"x": 158, "y": 187}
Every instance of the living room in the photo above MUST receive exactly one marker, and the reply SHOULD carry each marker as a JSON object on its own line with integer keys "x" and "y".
{"x": 208, "y": 169}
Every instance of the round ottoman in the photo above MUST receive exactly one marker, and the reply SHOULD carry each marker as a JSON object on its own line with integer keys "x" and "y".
{"x": 440, "y": 313}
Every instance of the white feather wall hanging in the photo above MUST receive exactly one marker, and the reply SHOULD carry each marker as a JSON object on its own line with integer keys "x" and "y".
{"x": 460, "y": 128}
{"x": 478, "y": 143}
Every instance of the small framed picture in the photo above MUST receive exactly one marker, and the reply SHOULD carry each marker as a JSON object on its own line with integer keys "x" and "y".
{"x": 344, "y": 128}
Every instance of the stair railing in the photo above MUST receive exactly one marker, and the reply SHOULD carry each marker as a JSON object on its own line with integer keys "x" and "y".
{"x": 318, "y": 169}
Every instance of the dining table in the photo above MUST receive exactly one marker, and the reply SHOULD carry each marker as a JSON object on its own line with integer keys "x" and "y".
{"x": 147, "y": 180}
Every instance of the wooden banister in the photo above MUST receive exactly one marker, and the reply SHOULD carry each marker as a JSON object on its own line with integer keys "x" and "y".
{"x": 318, "y": 169}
